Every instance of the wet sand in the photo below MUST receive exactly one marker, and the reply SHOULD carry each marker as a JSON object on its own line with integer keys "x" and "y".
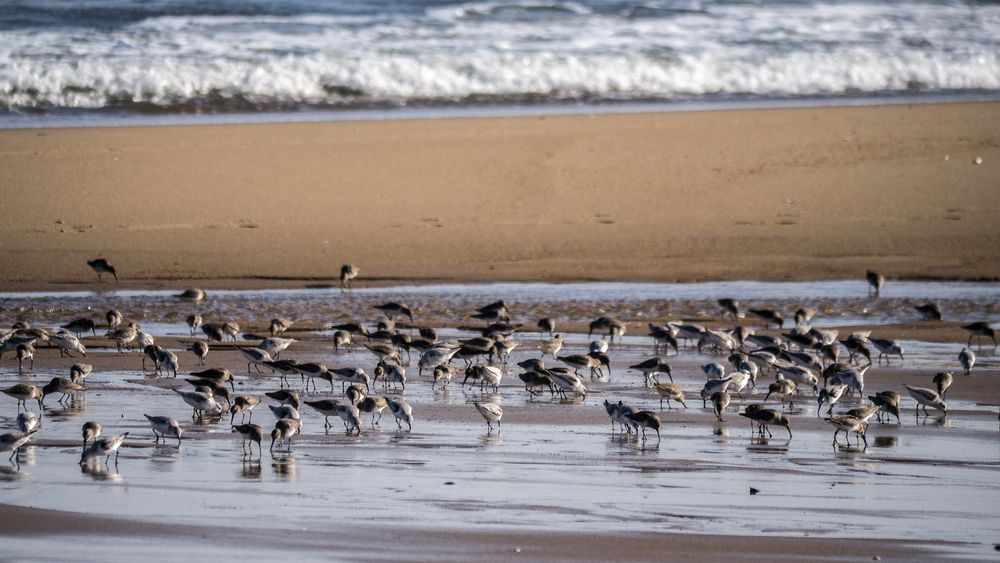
{"x": 556, "y": 482}
{"x": 810, "y": 193}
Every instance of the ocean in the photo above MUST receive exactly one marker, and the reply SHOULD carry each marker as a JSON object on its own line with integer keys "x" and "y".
{"x": 113, "y": 58}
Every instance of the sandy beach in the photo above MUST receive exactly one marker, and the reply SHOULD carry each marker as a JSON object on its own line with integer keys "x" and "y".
{"x": 810, "y": 193}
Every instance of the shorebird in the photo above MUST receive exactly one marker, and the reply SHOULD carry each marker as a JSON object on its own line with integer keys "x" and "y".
{"x": 101, "y": 266}
{"x": 669, "y": 392}
{"x": 14, "y": 441}
{"x": 857, "y": 347}
{"x": 115, "y": 319}
{"x": 651, "y": 368}
{"x": 738, "y": 381}
{"x": 942, "y": 381}
{"x": 887, "y": 401}
{"x": 382, "y": 351}
{"x": 243, "y": 405}
{"x": 124, "y": 336}
{"x": 104, "y": 447}
{"x": 163, "y": 425}
{"x": 864, "y": 413}
{"x": 352, "y": 375}
{"x": 546, "y": 325}
{"x": 730, "y": 307}
{"x": 279, "y": 325}
{"x": 166, "y": 362}
{"x": 255, "y": 357}
{"x": 613, "y": 327}
{"x": 979, "y": 330}
{"x": 443, "y": 373}
{"x": 929, "y": 311}
{"x": 853, "y": 378}
{"x": 552, "y": 346}
{"x": 721, "y": 342}
{"x": 80, "y": 326}
{"x": 355, "y": 393}
{"x": 968, "y": 359}
{"x": 347, "y": 274}
{"x": 200, "y": 402}
{"x": 218, "y": 375}
{"x": 769, "y": 316}
{"x": 533, "y": 380}
{"x": 231, "y": 329}
{"x": 926, "y": 398}
{"x": 390, "y": 372}
{"x": 61, "y": 385}
{"x": 402, "y": 411}
{"x": 436, "y": 356}
{"x": 285, "y": 411}
{"x": 491, "y": 412}
{"x": 875, "y": 282}
{"x": 615, "y": 414}
{"x": 492, "y": 313}
{"x": 584, "y": 361}
{"x": 91, "y": 431}
{"x": 200, "y": 348}
{"x": 714, "y": 370}
{"x": 27, "y": 421}
{"x": 713, "y": 386}
{"x": 848, "y": 424}
{"x": 765, "y": 417}
{"x": 720, "y": 401}
{"x": 284, "y": 369}
{"x": 373, "y": 405}
{"x": 274, "y": 346}
{"x": 786, "y": 388}
{"x": 646, "y": 419}
{"x": 283, "y": 431}
{"x": 325, "y": 407}
{"x": 341, "y": 338}
{"x": 886, "y": 347}
{"x": 250, "y": 433}
{"x": 351, "y": 417}
{"x": 285, "y": 397}
{"x": 25, "y": 352}
{"x": 803, "y": 316}
{"x": 193, "y": 322}
{"x": 194, "y": 294}
{"x": 830, "y": 395}
{"x": 798, "y": 374}
{"x": 664, "y": 337}
{"x": 392, "y": 310}
{"x": 213, "y": 332}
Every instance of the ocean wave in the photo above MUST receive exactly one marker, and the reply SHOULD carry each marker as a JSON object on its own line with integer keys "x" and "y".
{"x": 532, "y": 50}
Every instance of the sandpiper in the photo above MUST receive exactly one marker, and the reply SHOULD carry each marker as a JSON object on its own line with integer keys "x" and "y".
{"x": 124, "y": 336}
{"x": 200, "y": 349}
{"x": 546, "y": 324}
{"x": 285, "y": 397}
{"x": 769, "y": 316}
{"x": 351, "y": 417}
{"x": 163, "y": 425}
{"x": 341, "y": 338}
{"x": 887, "y": 401}
{"x": 390, "y": 372}
{"x": 25, "y": 352}
{"x": 646, "y": 419}
{"x": 373, "y": 405}
{"x": 664, "y": 338}
{"x": 669, "y": 392}
{"x": 325, "y": 407}
{"x": 200, "y": 402}
{"x": 800, "y": 375}
{"x": 942, "y": 381}
{"x": 929, "y": 311}
{"x": 829, "y": 395}
{"x": 243, "y": 405}
{"x": 392, "y": 310}
{"x": 352, "y": 375}
{"x": 218, "y": 375}
{"x": 283, "y": 431}
{"x": 80, "y": 326}
{"x": 193, "y": 322}
{"x": 886, "y": 347}
{"x": 765, "y": 417}
{"x": 67, "y": 344}
{"x": 348, "y": 272}
{"x": 713, "y": 386}
{"x": 848, "y": 424}
{"x": 979, "y": 330}
{"x": 651, "y": 368}
{"x": 274, "y": 346}
{"x": 436, "y": 356}
{"x": 254, "y": 357}
{"x": 101, "y": 266}
{"x": 14, "y": 441}
{"x": 968, "y": 359}
{"x": 104, "y": 447}
{"x": 355, "y": 393}
{"x": 730, "y": 307}
{"x": 194, "y": 295}
{"x": 785, "y": 388}
{"x": 875, "y": 282}
{"x": 279, "y": 325}
{"x": 926, "y": 398}
{"x": 564, "y": 382}
{"x": 720, "y": 401}
{"x": 491, "y": 412}
{"x": 61, "y": 385}
{"x": 213, "y": 332}
{"x": 402, "y": 411}
{"x": 231, "y": 329}
{"x": 91, "y": 431}
{"x": 443, "y": 374}
{"x": 27, "y": 421}
{"x": 250, "y": 433}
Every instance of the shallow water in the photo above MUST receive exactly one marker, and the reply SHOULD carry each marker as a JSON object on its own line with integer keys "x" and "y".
{"x": 838, "y": 303}
{"x": 556, "y": 465}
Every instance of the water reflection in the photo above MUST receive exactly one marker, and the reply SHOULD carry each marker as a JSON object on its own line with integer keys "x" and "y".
{"x": 98, "y": 471}
{"x": 885, "y": 442}
{"x": 250, "y": 469}
{"x": 285, "y": 466}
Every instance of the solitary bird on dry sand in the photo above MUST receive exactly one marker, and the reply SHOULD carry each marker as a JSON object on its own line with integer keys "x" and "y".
{"x": 347, "y": 274}
{"x": 102, "y": 266}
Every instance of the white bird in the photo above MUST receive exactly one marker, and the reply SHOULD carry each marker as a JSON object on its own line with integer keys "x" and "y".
{"x": 275, "y": 346}
{"x": 831, "y": 395}
{"x": 402, "y": 411}
{"x": 351, "y": 417}
{"x": 713, "y": 386}
{"x": 27, "y": 421}
{"x": 565, "y": 381}
{"x": 798, "y": 374}
{"x": 105, "y": 447}
{"x": 491, "y": 412}
{"x": 67, "y": 343}
{"x": 968, "y": 359}
{"x": 163, "y": 425}
{"x": 13, "y": 441}
{"x": 436, "y": 356}
{"x": 200, "y": 402}
{"x": 926, "y": 398}
{"x": 254, "y": 356}
{"x": 285, "y": 411}
{"x": 714, "y": 370}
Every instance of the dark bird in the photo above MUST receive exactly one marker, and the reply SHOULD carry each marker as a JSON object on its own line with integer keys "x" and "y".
{"x": 102, "y": 266}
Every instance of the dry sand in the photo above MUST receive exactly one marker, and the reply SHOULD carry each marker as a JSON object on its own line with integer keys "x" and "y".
{"x": 762, "y": 193}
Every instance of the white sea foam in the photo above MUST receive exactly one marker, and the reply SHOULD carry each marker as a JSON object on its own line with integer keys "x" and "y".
{"x": 497, "y": 50}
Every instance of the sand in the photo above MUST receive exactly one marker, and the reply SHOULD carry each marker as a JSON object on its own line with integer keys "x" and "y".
{"x": 809, "y": 193}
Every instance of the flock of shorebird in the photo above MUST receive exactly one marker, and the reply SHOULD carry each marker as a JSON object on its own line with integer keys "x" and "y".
{"x": 804, "y": 359}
